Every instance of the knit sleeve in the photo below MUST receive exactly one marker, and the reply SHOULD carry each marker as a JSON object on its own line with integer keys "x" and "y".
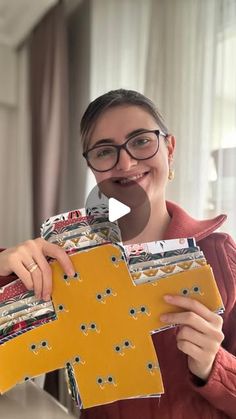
{"x": 220, "y": 389}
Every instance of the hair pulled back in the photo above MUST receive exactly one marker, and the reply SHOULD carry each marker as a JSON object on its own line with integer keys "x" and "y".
{"x": 112, "y": 99}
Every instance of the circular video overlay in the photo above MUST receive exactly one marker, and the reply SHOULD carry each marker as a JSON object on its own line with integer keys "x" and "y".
{"x": 113, "y": 201}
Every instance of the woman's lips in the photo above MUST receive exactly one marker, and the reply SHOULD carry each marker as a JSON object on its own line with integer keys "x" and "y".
{"x": 126, "y": 182}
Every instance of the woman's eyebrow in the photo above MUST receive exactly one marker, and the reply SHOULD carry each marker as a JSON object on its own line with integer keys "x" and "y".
{"x": 103, "y": 141}
{"x": 112, "y": 141}
{"x": 136, "y": 132}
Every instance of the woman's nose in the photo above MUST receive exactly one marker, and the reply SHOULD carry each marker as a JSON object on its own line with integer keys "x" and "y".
{"x": 125, "y": 161}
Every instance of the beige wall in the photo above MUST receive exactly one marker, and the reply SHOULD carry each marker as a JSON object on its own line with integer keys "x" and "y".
{"x": 8, "y": 76}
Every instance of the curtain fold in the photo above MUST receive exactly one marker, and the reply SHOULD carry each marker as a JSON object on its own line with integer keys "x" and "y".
{"x": 15, "y": 161}
{"x": 166, "y": 50}
{"x": 79, "y": 50}
{"x": 119, "y": 32}
{"x": 190, "y": 75}
{"x": 180, "y": 79}
{"x": 49, "y": 113}
{"x": 119, "y": 44}
{"x": 222, "y": 173}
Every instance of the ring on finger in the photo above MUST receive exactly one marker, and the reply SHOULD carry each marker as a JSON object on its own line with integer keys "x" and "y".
{"x": 32, "y": 267}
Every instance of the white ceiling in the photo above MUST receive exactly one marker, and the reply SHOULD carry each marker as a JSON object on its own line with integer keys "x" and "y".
{"x": 18, "y": 17}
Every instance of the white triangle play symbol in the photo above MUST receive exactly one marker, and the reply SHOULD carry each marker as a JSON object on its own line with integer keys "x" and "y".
{"x": 117, "y": 209}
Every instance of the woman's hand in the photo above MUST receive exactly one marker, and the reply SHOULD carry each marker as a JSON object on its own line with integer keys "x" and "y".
{"x": 200, "y": 333}
{"x": 28, "y": 261}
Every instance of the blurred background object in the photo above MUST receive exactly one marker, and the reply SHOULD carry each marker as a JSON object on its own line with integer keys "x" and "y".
{"x": 223, "y": 187}
{"x": 27, "y": 399}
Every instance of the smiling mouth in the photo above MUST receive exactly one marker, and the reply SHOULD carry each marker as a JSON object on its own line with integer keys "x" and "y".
{"x": 131, "y": 180}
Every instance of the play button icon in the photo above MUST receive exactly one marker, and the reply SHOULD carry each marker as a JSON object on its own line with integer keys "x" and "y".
{"x": 117, "y": 209}
{"x": 121, "y": 205}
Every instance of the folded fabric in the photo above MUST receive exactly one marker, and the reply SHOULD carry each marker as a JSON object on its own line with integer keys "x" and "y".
{"x": 168, "y": 260}
{"x": 18, "y": 305}
{"x": 13, "y": 289}
{"x": 102, "y": 333}
{"x": 31, "y": 315}
{"x": 76, "y": 229}
{"x": 24, "y": 326}
{"x": 159, "y": 247}
{"x": 152, "y": 272}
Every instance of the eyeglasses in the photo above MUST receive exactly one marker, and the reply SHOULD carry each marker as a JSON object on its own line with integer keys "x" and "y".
{"x": 142, "y": 146}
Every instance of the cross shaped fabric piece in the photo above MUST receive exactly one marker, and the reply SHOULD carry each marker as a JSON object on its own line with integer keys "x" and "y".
{"x": 103, "y": 328}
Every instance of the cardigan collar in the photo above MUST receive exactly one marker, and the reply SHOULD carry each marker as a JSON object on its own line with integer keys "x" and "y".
{"x": 183, "y": 225}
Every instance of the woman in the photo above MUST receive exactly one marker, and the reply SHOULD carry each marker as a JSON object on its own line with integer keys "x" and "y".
{"x": 197, "y": 359}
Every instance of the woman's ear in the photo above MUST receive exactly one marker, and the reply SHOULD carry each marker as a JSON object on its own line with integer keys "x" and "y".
{"x": 171, "y": 147}
{"x": 171, "y": 141}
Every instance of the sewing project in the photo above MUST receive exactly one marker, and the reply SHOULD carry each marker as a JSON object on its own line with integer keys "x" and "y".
{"x": 99, "y": 323}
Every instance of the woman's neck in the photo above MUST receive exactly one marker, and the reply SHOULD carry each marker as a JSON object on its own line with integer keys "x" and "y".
{"x": 154, "y": 229}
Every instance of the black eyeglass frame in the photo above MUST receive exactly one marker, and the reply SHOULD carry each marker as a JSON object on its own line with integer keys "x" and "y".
{"x": 124, "y": 147}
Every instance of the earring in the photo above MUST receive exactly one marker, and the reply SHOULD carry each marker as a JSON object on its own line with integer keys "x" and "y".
{"x": 171, "y": 174}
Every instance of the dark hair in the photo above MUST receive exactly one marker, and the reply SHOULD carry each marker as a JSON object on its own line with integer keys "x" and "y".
{"x": 114, "y": 98}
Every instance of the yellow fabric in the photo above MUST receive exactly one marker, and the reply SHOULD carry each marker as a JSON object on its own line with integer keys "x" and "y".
{"x": 105, "y": 301}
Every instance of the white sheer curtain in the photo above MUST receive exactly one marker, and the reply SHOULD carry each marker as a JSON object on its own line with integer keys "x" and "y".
{"x": 119, "y": 44}
{"x": 222, "y": 176}
{"x": 15, "y": 161}
{"x": 170, "y": 51}
{"x": 180, "y": 78}
{"x": 118, "y": 48}
{"x": 191, "y": 74}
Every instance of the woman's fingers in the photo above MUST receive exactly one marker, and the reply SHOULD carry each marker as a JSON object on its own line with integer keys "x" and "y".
{"x": 192, "y": 305}
{"x": 22, "y": 273}
{"x": 200, "y": 333}
{"x": 39, "y": 269}
{"x": 32, "y": 274}
{"x": 56, "y": 252}
{"x": 187, "y": 334}
{"x": 29, "y": 262}
{"x": 37, "y": 278}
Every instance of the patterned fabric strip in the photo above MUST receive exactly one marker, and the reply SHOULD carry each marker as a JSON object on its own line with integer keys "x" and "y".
{"x": 26, "y": 312}
{"x": 161, "y": 246}
{"x": 24, "y": 324}
{"x": 90, "y": 237}
{"x": 72, "y": 384}
{"x": 167, "y": 261}
{"x": 17, "y": 305}
{"x": 21, "y": 328}
{"x": 11, "y": 290}
{"x": 153, "y": 273}
{"x": 19, "y": 297}
{"x": 88, "y": 231}
{"x": 150, "y": 256}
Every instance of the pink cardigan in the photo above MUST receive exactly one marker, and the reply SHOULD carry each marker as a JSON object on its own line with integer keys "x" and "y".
{"x": 186, "y": 397}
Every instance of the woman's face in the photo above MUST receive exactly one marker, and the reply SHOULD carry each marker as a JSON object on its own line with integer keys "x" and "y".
{"x": 152, "y": 174}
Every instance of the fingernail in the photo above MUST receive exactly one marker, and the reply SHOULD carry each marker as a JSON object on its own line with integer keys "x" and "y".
{"x": 168, "y": 297}
{"x": 47, "y": 297}
{"x": 71, "y": 272}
